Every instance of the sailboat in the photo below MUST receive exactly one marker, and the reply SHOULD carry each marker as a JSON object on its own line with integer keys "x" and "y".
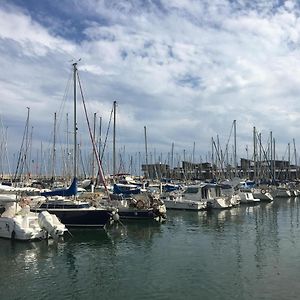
{"x": 132, "y": 203}
{"x": 63, "y": 202}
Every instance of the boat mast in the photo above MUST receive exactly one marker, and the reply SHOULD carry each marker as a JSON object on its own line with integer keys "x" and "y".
{"x": 114, "y": 142}
{"x": 54, "y": 148}
{"x": 100, "y": 138}
{"x": 146, "y": 150}
{"x": 295, "y": 154}
{"x": 75, "y": 120}
{"x": 289, "y": 162}
{"x": 67, "y": 162}
{"x": 271, "y": 154}
{"x": 172, "y": 156}
{"x": 260, "y": 171}
{"x": 254, "y": 153}
{"x": 93, "y": 152}
{"x": 274, "y": 161}
{"x": 235, "y": 160}
{"x": 42, "y": 162}
{"x": 22, "y": 156}
{"x": 212, "y": 157}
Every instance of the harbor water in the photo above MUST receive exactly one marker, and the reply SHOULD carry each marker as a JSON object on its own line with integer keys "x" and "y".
{"x": 246, "y": 252}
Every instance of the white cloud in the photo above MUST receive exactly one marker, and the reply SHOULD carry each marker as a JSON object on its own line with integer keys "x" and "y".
{"x": 186, "y": 69}
{"x": 34, "y": 39}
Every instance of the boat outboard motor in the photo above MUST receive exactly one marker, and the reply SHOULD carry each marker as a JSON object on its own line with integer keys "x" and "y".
{"x": 47, "y": 223}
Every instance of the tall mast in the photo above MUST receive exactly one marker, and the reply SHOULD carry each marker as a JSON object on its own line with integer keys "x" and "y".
{"x": 289, "y": 161}
{"x": 260, "y": 154}
{"x": 139, "y": 164}
{"x": 42, "y": 160}
{"x": 235, "y": 160}
{"x": 172, "y": 156}
{"x": 271, "y": 154}
{"x": 54, "y": 147}
{"x": 146, "y": 151}
{"x": 67, "y": 163}
{"x": 30, "y": 171}
{"x": 274, "y": 161}
{"x": 25, "y": 161}
{"x": 114, "y": 142}
{"x": 295, "y": 154}
{"x": 254, "y": 153}
{"x": 193, "y": 157}
{"x": 75, "y": 120}
{"x": 93, "y": 152}
{"x": 100, "y": 137}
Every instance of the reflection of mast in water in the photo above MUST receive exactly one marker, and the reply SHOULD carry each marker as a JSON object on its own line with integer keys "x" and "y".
{"x": 239, "y": 261}
{"x": 266, "y": 237}
{"x": 297, "y": 199}
{"x": 293, "y": 206}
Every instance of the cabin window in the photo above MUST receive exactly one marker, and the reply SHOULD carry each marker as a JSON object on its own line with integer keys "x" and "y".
{"x": 204, "y": 193}
{"x": 191, "y": 190}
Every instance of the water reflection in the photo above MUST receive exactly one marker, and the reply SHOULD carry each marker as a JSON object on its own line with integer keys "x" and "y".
{"x": 135, "y": 231}
{"x": 87, "y": 235}
{"x": 255, "y": 236}
{"x": 246, "y": 252}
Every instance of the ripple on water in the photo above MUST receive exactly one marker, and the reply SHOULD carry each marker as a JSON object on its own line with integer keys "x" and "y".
{"x": 242, "y": 253}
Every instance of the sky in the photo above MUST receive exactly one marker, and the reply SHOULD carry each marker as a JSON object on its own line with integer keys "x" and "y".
{"x": 185, "y": 69}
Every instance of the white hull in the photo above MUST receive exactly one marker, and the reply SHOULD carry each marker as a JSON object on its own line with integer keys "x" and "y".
{"x": 200, "y": 197}
{"x": 262, "y": 195}
{"x": 247, "y": 197}
{"x": 15, "y": 228}
{"x": 182, "y": 204}
{"x": 221, "y": 202}
{"x": 21, "y": 224}
{"x": 235, "y": 199}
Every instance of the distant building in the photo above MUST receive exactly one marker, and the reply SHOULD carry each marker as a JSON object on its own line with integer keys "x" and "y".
{"x": 279, "y": 169}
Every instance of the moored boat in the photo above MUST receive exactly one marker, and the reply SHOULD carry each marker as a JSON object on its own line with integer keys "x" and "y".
{"x": 19, "y": 223}
{"x": 72, "y": 212}
{"x": 201, "y": 196}
{"x": 143, "y": 206}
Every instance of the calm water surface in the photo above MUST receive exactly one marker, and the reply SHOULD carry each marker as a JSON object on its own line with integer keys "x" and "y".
{"x": 249, "y": 252}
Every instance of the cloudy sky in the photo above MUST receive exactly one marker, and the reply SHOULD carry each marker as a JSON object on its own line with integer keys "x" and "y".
{"x": 185, "y": 69}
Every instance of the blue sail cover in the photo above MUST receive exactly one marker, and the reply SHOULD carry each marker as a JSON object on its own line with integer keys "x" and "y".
{"x": 71, "y": 191}
{"x": 126, "y": 190}
{"x": 170, "y": 187}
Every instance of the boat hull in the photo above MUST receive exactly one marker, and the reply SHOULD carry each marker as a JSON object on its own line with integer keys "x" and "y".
{"x": 80, "y": 217}
{"x": 185, "y": 205}
{"x": 10, "y": 228}
{"x": 140, "y": 214}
